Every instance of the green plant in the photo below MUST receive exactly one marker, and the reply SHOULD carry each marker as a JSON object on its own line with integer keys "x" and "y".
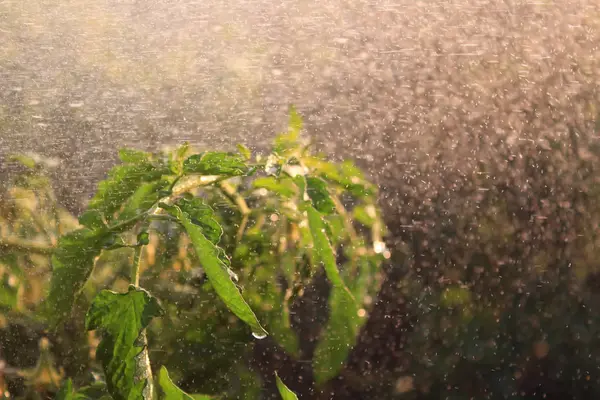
{"x": 264, "y": 224}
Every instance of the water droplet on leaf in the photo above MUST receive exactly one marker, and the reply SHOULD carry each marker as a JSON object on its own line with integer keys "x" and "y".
{"x": 259, "y": 335}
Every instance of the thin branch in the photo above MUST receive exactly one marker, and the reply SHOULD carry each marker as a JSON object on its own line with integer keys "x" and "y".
{"x": 19, "y": 244}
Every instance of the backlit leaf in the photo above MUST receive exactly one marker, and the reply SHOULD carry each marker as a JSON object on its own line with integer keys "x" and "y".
{"x": 212, "y": 259}
{"x": 72, "y": 264}
{"x": 286, "y": 394}
{"x": 316, "y": 188}
{"x": 121, "y": 318}
{"x": 282, "y": 186}
{"x": 215, "y": 163}
{"x": 66, "y": 391}
{"x": 133, "y": 156}
{"x": 343, "y": 323}
{"x": 170, "y": 391}
{"x": 289, "y": 141}
{"x": 244, "y": 151}
{"x": 122, "y": 183}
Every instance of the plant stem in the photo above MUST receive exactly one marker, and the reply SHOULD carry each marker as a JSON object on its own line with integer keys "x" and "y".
{"x": 143, "y": 369}
{"x": 233, "y": 196}
{"x": 135, "y": 268}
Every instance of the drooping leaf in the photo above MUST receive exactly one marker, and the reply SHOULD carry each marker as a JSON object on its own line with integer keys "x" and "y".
{"x": 122, "y": 183}
{"x": 316, "y": 188}
{"x": 121, "y": 318}
{"x": 72, "y": 264}
{"x": 170, "y": 391}
{"x": 338, "y": 337}
{"x": 215, "y": 163}
{"x": 343, "y": 323}
{"x": 323, "y": 250}
{"x": 284, "y": 391}
{"x": 278, "y": 317}
{"x": 212, "y": 259}
{"x": 66, "y": 391}
{"x": 202, "y": 215}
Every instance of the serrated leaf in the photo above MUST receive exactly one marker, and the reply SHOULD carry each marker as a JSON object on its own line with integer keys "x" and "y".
{"x": 316, "y": 188}
{"x": 284, "y": 391}
{"x": 282, "y": 187}
{"x": 121, "y": 319}
{"x": 212, "y": 259}
{"x": 170, "y": 391}
{"x": 343, "y": 323}
{"x": 215, "y": 163}
{"x": 177, "y": 157}
{"x": 121, "y": 184}
{"x": 66, "y": 391}
{"x": 72, "y": 264}
{"x": 92, "y": 219}
{"x": 202, "y": 215}
{"x": 142, "y": 199}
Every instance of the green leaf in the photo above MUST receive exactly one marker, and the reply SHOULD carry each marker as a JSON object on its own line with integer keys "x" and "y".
{"x": 144, "y": 197}
{"x": 244, "y": 151}
{"x": 282, "y": 186}
{"x": 72, "y": 264}
{"x": 66, "y": 391}
{"x": 323, "y": 250}
{"x": 289, "y": 141}
{"x": 339, "y": 335}
{"x": 177, "y": 157}
{"x": 96, "y": 390}
{"x": 215, "y": 163}
{"x": 346, "y": 175}
{"x": 286, "y": 394}
{"x": 343, "y": 323}
{"x": 132, "y": 156}
{"x": 121, "y": 318}
{"x": 143, "y": 238}
{"x": 202, "y": 215}
{"x": 295, "y": 123}
{"x": 92, "y": 219}
{"x": 122, "y": 183}
{"x": 215, "y": 266}
{"x": 170, "y": 391}
{"x": 316, "y": 188}
{"x": 24, "y": 160}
